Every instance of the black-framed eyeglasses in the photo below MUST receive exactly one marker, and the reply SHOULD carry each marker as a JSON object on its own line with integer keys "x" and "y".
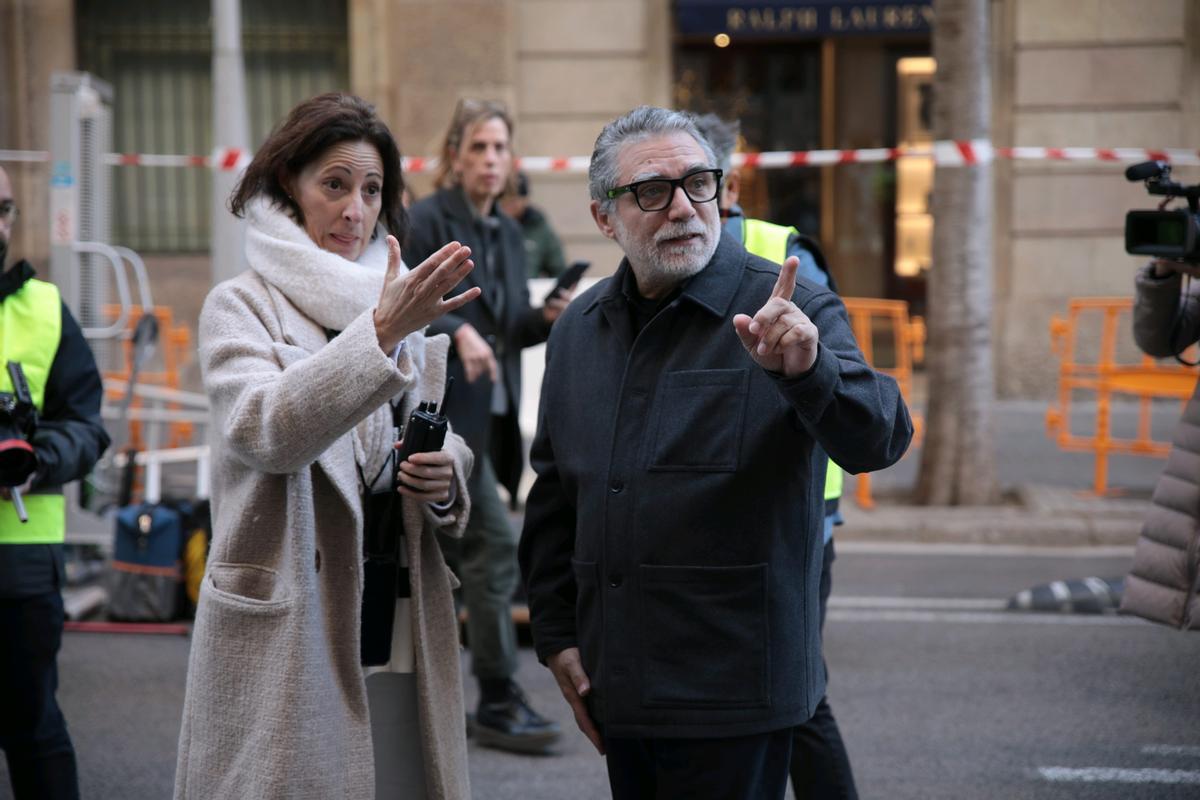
{"x": 655, "y": 194}
{"x": 9, "y": 211}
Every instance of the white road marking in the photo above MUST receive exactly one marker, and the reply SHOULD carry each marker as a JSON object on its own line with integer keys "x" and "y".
{"x": 1117, "y": 775}
{"x": 961, "y": 603}
{"x": 950, "y": 549}
{"x": 1171, "y": 750}
{"x": 974, "y": 617}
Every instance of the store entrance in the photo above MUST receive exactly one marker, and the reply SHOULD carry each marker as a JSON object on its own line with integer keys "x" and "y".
{"x": 774, "y": 90}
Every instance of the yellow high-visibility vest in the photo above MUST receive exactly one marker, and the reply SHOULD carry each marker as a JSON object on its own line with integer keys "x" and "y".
{"x": 30, "y": 330}
{"x": 768, "y": 240}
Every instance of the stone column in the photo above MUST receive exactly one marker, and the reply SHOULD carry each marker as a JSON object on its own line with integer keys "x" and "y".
{"x": 37, "y": 37}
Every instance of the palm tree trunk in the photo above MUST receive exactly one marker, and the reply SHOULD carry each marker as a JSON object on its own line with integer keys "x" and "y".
{"x": 958, "y": 458}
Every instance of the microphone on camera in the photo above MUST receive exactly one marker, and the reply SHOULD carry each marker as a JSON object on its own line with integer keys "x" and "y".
{"x": 1145, "y": 170}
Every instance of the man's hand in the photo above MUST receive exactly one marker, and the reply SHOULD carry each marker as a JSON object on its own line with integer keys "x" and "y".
{"x": 780, "y": 337}
{"x": 475, "y": 353}
{"x": 574, "y": 684}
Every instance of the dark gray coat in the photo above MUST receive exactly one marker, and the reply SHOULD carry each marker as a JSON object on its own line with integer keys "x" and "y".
{"x": 1164, "y": 584}
{"x": 674, "y": 530}
{"x": 445, "y": 217}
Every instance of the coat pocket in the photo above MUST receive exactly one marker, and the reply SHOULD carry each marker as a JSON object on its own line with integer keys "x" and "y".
{"x": 698, "y": 420}
{"x": 244, "y": 689}
{"x": 705, "y": 638}
{"x": 249, "y": 586}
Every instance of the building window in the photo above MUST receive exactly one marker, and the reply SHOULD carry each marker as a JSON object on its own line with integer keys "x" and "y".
{"x": 157, "y": 54}
{"x": 914, "y": 173}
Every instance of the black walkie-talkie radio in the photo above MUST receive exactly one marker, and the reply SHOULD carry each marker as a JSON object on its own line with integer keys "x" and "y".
{"x": 426, "y": 428}
{"x": 384, "y": 577}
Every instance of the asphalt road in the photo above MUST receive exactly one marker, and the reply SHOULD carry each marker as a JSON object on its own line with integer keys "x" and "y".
{"x": 939, "y": 693}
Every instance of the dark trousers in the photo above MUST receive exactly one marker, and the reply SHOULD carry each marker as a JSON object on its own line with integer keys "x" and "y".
{"x": 33, "y": 733}
{"x": 820, "y": 767}
{"x": 735, "y": 768}
{"x": 486, "y": 562}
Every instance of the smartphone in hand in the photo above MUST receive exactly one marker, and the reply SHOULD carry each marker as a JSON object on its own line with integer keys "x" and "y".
{"x": 569, "y": 278}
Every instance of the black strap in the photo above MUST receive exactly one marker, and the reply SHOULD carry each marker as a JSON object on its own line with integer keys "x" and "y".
{"x": 128, "y": 472}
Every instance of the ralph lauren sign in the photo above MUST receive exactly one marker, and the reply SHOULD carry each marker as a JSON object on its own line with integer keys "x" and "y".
{"x": 817, "y": 18}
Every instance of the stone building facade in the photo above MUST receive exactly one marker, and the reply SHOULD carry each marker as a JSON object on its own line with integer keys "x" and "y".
{"x": 1102, "y": 73}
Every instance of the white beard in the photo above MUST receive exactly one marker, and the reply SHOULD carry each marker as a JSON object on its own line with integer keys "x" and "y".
{"x": 657, "y": 267}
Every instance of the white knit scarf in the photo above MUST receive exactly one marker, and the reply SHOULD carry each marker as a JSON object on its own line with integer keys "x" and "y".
{"x": 327, "y": 288}
{"x": 332, "y": 291}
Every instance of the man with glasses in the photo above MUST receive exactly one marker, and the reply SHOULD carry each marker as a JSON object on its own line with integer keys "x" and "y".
{"x": 820, "y": 764}
{"x": 672, "y": 543}
{"x": 38, "y": 332}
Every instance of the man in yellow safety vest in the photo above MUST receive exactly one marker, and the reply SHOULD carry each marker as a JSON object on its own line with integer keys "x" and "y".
{"x": 820, "y": 767}
{"x": 63, "y": 385}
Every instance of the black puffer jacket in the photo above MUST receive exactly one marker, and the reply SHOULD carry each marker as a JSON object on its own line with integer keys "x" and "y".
{"x": 1164, "y": 584}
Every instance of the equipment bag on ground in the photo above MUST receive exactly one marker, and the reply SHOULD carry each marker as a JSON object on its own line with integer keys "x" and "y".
{"x": 145, "y": 576}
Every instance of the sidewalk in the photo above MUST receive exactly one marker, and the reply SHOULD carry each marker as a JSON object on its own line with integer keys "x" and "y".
{"x": 1047, "y": 497}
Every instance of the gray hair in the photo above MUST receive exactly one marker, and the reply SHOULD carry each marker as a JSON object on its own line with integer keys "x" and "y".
{"x": 722, "y": 136}
{"x": 641, "y": 123}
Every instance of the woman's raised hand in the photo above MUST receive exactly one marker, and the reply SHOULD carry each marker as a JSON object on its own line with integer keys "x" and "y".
{"x": 411, "y": 301}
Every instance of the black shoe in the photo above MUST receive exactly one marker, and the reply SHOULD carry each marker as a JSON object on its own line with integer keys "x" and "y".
{"x": 511, "y": 724}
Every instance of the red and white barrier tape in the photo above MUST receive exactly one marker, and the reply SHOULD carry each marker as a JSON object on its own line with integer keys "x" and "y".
{"x": 944, "y": 153}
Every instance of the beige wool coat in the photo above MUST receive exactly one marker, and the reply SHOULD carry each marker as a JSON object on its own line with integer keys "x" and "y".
{"x": 1164, "y": 583}
{"x": 276, "y": 703}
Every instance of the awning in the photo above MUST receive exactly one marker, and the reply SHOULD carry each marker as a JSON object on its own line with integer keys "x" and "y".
{"x": 781, "y": 18}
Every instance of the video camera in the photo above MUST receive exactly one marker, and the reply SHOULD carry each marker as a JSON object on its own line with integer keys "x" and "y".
{"x": 1168, "y": 234}
{"x": 18, "y": 421}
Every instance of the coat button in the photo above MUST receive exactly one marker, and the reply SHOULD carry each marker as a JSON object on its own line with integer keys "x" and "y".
{"x": 615, "y": 580}
{"x": 617, "y": 487}
{"x": 317, "y": 561}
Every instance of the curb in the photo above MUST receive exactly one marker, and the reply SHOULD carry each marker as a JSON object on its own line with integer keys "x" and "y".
{"x": 983, "y": 526}
{"x": 1040, "y": 516}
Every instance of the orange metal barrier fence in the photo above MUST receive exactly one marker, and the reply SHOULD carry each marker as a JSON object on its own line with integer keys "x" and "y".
{"x": 1145, "y": 379}
{"x": 905, "y": 338}
{"x": 174, "y": 350}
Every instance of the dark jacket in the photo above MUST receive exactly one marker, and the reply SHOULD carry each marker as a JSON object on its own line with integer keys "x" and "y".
{"x": 674, "y": 530}
{"x": 543, "y": 249}
{"x": 1164, "y": 583}
{"x": 444, "y": 217}
{"x": 69, "y": 440}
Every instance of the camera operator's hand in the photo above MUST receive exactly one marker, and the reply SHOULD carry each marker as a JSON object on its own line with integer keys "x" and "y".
{"x": 6, "y": 491}
{"x": 1163, "y": 269}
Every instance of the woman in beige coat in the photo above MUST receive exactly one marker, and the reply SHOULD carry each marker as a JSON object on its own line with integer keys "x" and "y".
{"x": 301, "y": 355}
{"x": 1164, "y": 583}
